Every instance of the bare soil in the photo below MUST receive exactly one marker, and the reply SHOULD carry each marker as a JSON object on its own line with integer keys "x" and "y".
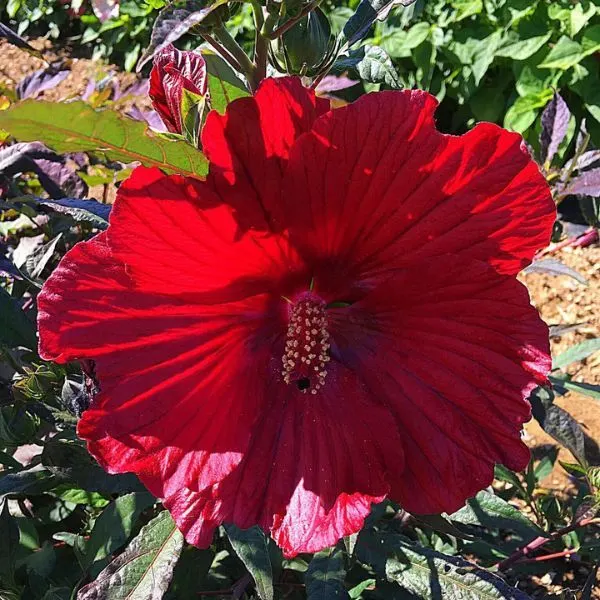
{"x": 563, "y": 301}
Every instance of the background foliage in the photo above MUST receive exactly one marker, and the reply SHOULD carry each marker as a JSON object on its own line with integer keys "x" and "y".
{"x": 69, "y": 530}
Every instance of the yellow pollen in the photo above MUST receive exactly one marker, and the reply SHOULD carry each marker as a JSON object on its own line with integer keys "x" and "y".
{"x": 306, "y": 345}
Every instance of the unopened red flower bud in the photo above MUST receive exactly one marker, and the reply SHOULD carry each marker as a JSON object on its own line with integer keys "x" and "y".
{"x": 173, "y": 72}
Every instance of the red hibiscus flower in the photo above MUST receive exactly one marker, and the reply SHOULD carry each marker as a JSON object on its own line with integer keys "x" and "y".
{"x": 173, "y": 72}
{"x": 331, "y": 319}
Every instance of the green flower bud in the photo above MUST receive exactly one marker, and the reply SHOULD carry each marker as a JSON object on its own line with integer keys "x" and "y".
{"x": 306, "y": 48}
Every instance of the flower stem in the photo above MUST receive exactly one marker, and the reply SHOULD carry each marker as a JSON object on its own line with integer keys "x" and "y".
{"x": 261, "y": 43}
{"x": 247, "y": 67}
{"x": 222, "y": 51}
{"x": 279, "y": 31}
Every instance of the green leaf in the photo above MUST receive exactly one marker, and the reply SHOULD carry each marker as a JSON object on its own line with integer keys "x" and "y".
{"x": 9, "y": 543}
{"x": 565, "y": 54}
{"x": 325, "y": 576}
{"x": 114, "y": 526}
{"x": 573, "y": 468}
{"x": 357, "y": 590}
{"x": 576, "y": 353}
{"x": 192, "y": 111}
{"x": 399, "y": 43}
{"x": 224, "y": 85}
{"x": 521, "y": 115}
{"x": 251, "y": 545}
{"x": 369, "y": 63}
{"x": 15, "y": 327}
{"x": 483, "y": 55}
{"x": 77, "y": 127}
{"x": 144, "y": 570}
{"x": 488, "y": 510}
{"x": 590, "y": 41}
{"x": 429, "y": 574}
{"x": 76, "y": 495}
{"x": 585, "y": 389}
{"x": 466, "y": 8}
{"x": 515, "y": 48}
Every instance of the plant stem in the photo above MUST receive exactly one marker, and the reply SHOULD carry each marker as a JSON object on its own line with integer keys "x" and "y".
{"x": 246, "y": 65}
{"x": 261, "y": 43}
{"x": 564, "y": 553}
{"x": 540, "y": 541}
{"x": 273, "y": 35}
{"x": 222, "y": 51}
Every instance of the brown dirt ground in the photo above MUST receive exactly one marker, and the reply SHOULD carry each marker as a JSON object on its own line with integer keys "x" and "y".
{"x": 562, "y": 300}
{"x": 15, "y": 64}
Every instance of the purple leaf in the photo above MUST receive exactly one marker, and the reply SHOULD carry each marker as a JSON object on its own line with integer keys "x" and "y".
{"x": 555, "y": 121}
{"x": 551, "y": 266}
{"x": 90, "y": 88}
{"x": 105, "y": 9}
{"x": 585, "y": 184}
{"x": 40, "y": 81}
{"x": 54, "y": 172}
{"x": 585, "y": 160}
{"x": 139, "y": 88}
{"x": 149, "y": 116}
{"x": 16, "y": 40}
{"x": 334, "y": 83}
{"x": 7, "y": 268}
{"x": 88, "y": 210}
{"x": 573, "y": 230}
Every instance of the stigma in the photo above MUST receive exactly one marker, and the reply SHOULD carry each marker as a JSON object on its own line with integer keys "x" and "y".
{"x": 306, "y": 352}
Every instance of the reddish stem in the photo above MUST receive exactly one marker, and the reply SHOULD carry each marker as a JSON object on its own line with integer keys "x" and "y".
{"x": 565, "y": 553}
{"x": 540, "y": 541}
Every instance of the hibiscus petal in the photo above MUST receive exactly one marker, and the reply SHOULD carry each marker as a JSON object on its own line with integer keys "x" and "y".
{"x": 314, "y": 466}
{"x": 374, "y": 184}
{"x": 248, "y": 146}
{"x": 453, "y": 349}
{"x": 177, "y": 237}
{"x": 168, "y": 370}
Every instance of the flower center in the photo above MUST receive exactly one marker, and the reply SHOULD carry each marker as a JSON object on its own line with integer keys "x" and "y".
{"x": 307, "y": 345}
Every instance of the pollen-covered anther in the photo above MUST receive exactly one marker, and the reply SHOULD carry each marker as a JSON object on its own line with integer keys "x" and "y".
{"x": 307, "y": 346}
